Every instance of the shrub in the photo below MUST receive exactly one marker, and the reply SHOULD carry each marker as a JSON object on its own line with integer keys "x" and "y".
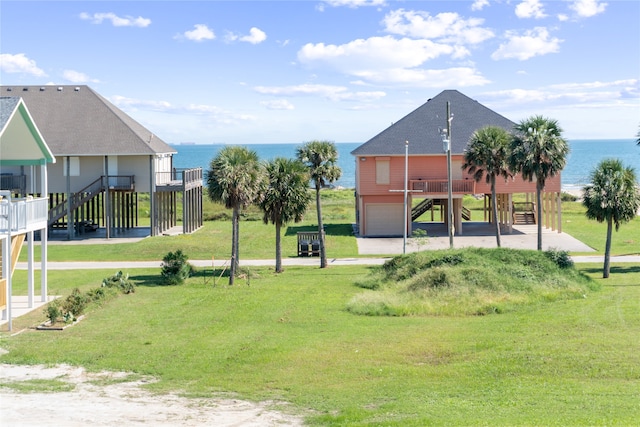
{"x": 560, "y": 257}
{"x": 52, "y": 311}
{"x": 120, "y": 281}
{"x": 175, "y": 268}
{"x": 74, "y": 305}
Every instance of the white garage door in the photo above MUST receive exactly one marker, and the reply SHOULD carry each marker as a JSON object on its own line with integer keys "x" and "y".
{"x": 384, "y": 219}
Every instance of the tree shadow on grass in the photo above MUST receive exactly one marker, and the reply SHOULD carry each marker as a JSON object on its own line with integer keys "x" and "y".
{"x": 205, "y": 274}
{"x": 329, "y": 229}
{"x": 614, "y": 270}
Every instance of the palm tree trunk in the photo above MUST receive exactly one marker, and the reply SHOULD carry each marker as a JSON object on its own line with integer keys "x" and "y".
{"x": 323, "y": 255}
{"x": 235, "y": 226}
{"x": 607, "y": 249}
{"x": 494, "y": 205}
{"x": 278, "y": 249}
{"x": 539, "y": 188}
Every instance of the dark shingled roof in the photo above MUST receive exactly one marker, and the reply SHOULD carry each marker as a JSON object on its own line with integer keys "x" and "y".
{"x": 422, "y": 127}
{"x": 77, "y": 121}
{"x": 7, "y": 106}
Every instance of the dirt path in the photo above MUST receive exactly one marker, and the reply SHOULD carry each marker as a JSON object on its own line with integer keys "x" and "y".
{"x": 108, "y": 399}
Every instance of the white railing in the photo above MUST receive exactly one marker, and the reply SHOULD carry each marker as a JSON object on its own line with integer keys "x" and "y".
{"x": 22, "y": 215}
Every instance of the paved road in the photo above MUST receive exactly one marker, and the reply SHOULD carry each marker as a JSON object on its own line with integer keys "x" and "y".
{"x": 125, "y": 265}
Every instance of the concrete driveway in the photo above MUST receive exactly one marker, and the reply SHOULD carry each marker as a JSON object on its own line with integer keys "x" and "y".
{"x": 475, "y": 234}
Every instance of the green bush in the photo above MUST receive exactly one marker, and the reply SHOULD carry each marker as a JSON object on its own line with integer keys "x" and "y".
{"x": 120, "y": 281}
{"x": 175, "y": 268}
{"x": 560, "y": 257}
{"x": 52, "y": 311}
{"x": 74, "y": 305}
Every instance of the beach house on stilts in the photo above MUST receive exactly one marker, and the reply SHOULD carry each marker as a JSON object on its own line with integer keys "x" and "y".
{"x": 22, "y": 146}
{"x": 107, "y": 162}
{"x": 383, "y": 162}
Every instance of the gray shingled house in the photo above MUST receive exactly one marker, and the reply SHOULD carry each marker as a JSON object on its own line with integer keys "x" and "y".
{"x": 105, "y": 161}
{"x": 380, "y": 170}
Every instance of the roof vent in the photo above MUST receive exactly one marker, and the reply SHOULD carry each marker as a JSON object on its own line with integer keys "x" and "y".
{"x": 41, "y": 88}
{"x": 25, "y": 89}
{"x": 77, "y": 89}
{"x": 9, "y": 89}
{"x": 59, "y": 88}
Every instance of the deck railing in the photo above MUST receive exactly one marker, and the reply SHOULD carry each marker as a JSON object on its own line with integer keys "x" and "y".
{"x": 22, "y": 215}
{"x": 13, "y": 182}
{"x": 441, "y": 186}
{"x": 180, "y": 177}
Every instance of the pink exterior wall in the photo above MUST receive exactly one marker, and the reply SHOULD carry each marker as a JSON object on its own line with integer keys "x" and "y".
{"x": 425, "y": 168}
{"x": 434, "y": 167}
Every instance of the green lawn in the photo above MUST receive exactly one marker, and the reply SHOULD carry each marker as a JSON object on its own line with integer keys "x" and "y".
{"x": 290, "y": 337}
{"x": 257, "y": 240}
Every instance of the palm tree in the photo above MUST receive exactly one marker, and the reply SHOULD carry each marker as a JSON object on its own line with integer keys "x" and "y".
{"x": 286, "y": 197}
{"x": 235, "y": 178}
{"x": 320, "y": 157}
{"x": 538, "y": 151}
{"x": 638, "y": 137}
{"x": 612, "y": 196}
{"x": 488, "y": 153}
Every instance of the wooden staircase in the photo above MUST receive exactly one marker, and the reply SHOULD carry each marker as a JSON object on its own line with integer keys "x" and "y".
{"x": 524, "y": 218}
{"x": 524, "y": 213}
{"x": 16, "y": 247}
{"x": 78, "y": 199}
{"x": 421, "y": 208}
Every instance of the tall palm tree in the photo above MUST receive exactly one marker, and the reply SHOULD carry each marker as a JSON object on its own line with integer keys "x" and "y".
{"x": 286, "y": 197}
{"x": 488, "y": 153}
{"x": 612, "y": 196}
{"x": 320, "y": 157}
{"x": 235, "y": 178}
{"x": 538, "y": 151}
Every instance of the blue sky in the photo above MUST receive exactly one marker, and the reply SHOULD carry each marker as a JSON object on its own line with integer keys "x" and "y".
{"x": 246, "y": 72}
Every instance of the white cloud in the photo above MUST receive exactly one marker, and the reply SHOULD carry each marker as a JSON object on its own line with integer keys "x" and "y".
{"x": 479, "y": 4}
{"x": 116, "y": 21}
{"x": 19, "y": 63}
{"x": 212, "y": 113}
{"x": 447, "y": 27}
{"x": 199, "y": 33}
{"x": 333, "y": 93}
{"x": 352, "y": 3}
{"x": 278, "y": 104}
{"x": 361, "y": 55}
{"x": 530, "y": 9}
{"x": 532, "y": 43}
{"x": 256, "y": 36}
{"x": 78, "y": 77}
{"x": 573, "y": 95}
{"x": 424, "y": 78}
{"x": 588, "y": 8}
{"x": 386, "y": 60}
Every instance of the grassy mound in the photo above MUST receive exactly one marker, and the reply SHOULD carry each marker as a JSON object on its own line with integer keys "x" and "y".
{"x": 469, "y": 281}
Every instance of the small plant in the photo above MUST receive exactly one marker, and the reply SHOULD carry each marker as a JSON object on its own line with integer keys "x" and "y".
{"x": 175, "y": 268}
{"x": 420, "y": 237}
{"x": 560, "y": 257}
{"x": 53, "y": 312}
{"x": 119, "y": 281}
{"x": 74, "y": 305}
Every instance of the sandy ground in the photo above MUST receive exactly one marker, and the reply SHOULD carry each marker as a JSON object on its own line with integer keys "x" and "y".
{"x": 111, "y": 399}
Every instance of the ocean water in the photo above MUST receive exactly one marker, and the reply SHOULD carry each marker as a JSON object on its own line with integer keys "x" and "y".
{"x": 583, "y": 157}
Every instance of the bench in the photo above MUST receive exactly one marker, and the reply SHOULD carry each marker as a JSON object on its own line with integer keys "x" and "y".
{"x": 308, "y": 243}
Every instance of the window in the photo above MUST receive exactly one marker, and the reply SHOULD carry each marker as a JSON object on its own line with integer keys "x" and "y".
{"x": 382, "y": 170}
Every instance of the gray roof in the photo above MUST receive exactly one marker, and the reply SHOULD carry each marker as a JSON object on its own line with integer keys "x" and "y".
{"x": 422, "y": 127}
{"x": 7, "y": 106}
{"x": 77, "y": 121}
